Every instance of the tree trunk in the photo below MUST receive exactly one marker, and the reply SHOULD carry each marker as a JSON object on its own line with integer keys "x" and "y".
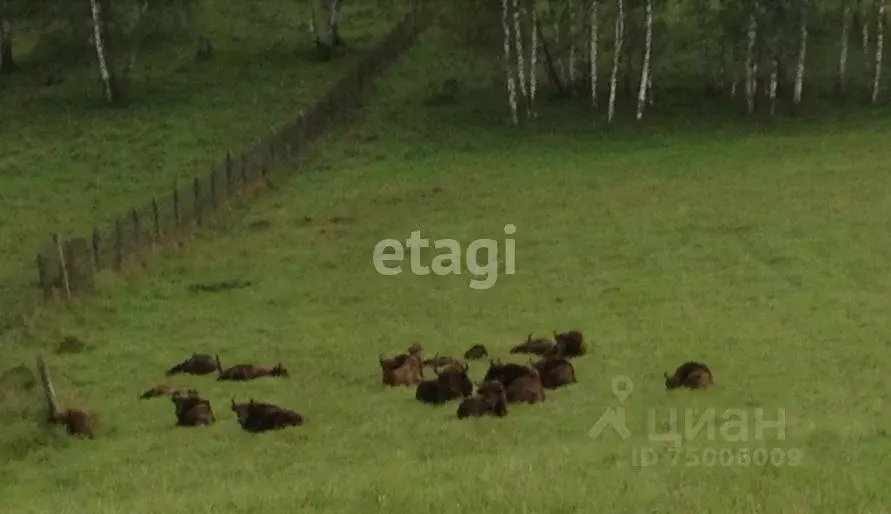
{"x": 7, "y": 62}
{"x": 518, "y": 42}
{"x": 750, "y": 64}
{"x": 592, "y": 51}
{"x": 864, "y": 33}
{"x": 333, "y": 7}
{"x": 511, "y": 86}
{"x": 558, "y": 26}
{"x": 645, "y": 67}
{"x": 617, "y": 52}
{"x": 550, "y": 67}
{"x": 773, "y": 85}
{"x": 533, "y": 60}
{"x": 570, "y": 34}
{"x": 802, "y": 53}
{"x": 843, "y": 52}
{"x": 105, "y": 68}
{"x": 880, "y": 39}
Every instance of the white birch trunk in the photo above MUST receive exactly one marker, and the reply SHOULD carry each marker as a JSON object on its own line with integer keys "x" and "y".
{"x": 880, "y": 40}
{"x": 100, "y": 50}
{"x": 864, "y": 35}
{"x": 774, "y": 68}
{"x": 518, "y": 41}
{"x": 570, "y": 34}
{"x": 645, "y": 68}
{"x": 533, "y": 60}
{"x": 592, "y": 51}
{"x": 750, "y": 64}
{"x": 843, "y": 52}
{"x": 802, "y": 53}
{"x": 617, "y": 52}
{"x": 511, "y": 87}
{"x": 558, "y": 57}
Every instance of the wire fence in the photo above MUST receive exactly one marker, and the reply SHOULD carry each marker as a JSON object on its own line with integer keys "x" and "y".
{"x": 66, "y": 266}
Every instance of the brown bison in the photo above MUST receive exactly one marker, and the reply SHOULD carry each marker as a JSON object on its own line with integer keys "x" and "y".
{"x": 242, "y": 372}
{"x": 402, "y": 370}
{"x": 192, "y": 410}
{"x": 555, "y": 372}
{"x": 526, "y": 389}
{"x": 429, "y": 391}
{"x": 490, "y": 399}
{"x": 475, "y": 352}
{"x": 161, "y": 390}
{"x": 77, "y": 423}
{"x": 448, "y": 385}
{"x": 438, "y": 361}
{"x": 692, "y": 375}
{"x": 568, "y": 345}
{"x": 538, "y": 346}
{"x": 259, "y": 417}
{"x": 506, "y": 373}
{"x": 197, "y": 364}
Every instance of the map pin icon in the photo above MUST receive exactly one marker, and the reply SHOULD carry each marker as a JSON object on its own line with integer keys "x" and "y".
{"x": 622, "y": 387}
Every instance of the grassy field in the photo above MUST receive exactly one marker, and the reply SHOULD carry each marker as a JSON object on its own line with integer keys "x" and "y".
{"x": 68, "y": 163}
{"x": 757, "y": 250}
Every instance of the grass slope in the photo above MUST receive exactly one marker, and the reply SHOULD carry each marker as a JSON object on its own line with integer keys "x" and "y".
{"x": 69, "y": 163}
{"x": 760, "y": 253}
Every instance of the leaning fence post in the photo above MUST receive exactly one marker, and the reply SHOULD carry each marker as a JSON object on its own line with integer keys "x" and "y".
{"x": 136, "y": 228}
{"x": 48, "y": 390}
{"x": 61, "y": 254}
{"x": 197, "y": 201}
{"x": 118, "y": 244}
{"x": 96, "y": 254}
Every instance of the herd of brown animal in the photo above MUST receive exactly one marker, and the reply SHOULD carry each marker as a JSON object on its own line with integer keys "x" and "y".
{"x": 502, "y": 384}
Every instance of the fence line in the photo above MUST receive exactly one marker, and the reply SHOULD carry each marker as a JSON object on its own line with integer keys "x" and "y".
{"x": 68, "y": 265}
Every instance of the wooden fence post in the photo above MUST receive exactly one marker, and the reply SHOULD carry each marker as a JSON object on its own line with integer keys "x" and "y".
{"x": 96, "y": 254}
{"x": 61, "y": 255}
{"x": 156, "y": 218}
{"x": 48, "y": 389}
{"x": 118, "y": 244}
{"x": 197, "y": 201}
{"x": 228, "y": 174}
{"x": 137, "y": 228}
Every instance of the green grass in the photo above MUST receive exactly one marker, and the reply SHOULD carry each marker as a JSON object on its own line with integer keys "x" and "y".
{"x": 757, "y": 250}
{"x": 68, "y": 163}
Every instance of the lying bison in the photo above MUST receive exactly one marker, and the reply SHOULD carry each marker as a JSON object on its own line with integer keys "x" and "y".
{"x": 242, "y": 372}
{"x": 692, "y": 375}
{"x": 403, "y": 370}
{"x": 197, "y": 364}
{"x": 568, "y": 345}
{"x": 522, "y": 383}
{"x": 490, "y": 400}
{"x": 259, "y": 417}
{"x": 538, "y": 346}
{"x": 161, "y": 390}
{"x": 448, "y": 385}
{"x": 439, "y": 362}
{"x": 77, "y": 423}
{"x": 475, "y": 352}
{"x": 555, "y": 372}
{"x": 192, "y": 410}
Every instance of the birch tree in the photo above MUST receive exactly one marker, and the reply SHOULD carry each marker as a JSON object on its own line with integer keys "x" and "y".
{"x": 865, "y": 11}
{"x": 106, "y": 70}
{"x": 592, "y": 50}
{"x": 518, "y": 41}
{"x": 617, "y": 52}
{"x": 533, "y": 58}
{"x": 511, "y": 86}
{"x": 752, "y": 34}
{"x": 802, "y": 52}
{"x": 843, "y": 48}
{"x": 880, "y": 40}
{"x": 645, "y": 67}
{"x": 7, "y": 61}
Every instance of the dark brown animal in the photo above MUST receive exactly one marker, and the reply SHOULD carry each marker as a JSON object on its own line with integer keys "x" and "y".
{"x": 259, "y": 417}
{"x": 538, "y": 346}
{"x": 490, "y": 399}
{"x": 568, "y": 345}
{"x": 197, "y": 364}
{"x": 403, "y": 370}
{"x": 192, "y": 410}
{"x": 506, "y": 373}
{"x": 555, "y": 372}
{"x": 77, "y": 423}
{"x": 441, "y": 362}
{"x": 526, "y": 389}
{"x": 430, "y": 391}
{"x": 242, "y": 372}
{"x": 161, "y": 390}
{"x": 454, "y": 382}
{"x": 475, "y": 352}
{"x": 692, "y": 375}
